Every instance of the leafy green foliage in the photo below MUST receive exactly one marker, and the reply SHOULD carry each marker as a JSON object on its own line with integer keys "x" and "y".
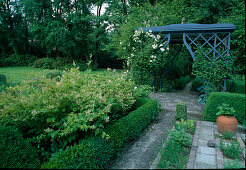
{"x": 180, "y": 137}
{"x": 177, "y": 148}
{"x": 19, "y": 60}
{"x": 225, "y": 110}
{"x": 235, "y": 86}
{"x": 227, "y": 135}
{"x": 92, "y": 153}
{"x": 44, "y": 63}
{"x": 59, "y": 113}
{"x": 188, "y": 125}
{"x": 182, "y": 81}
{"x": 237, "y": 101}
{"x": 233, "y": 165}
{"x": 16, "y": 152}
{"x": 181, "y": 111}
{"x": 3, "y": 79}
{"x": 214, "y": 73}
{"x": 130, "y": 127}
{"x": 232, "y": 150}
{"x": 196, "y": 83}
{"x": 54, "y": 74}
{"x": 173, "y": 156}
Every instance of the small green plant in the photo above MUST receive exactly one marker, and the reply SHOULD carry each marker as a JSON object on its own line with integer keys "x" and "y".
{"x": 89, "y": 63}
{"x": 232, "y": 150}
{"x": 227, "y": 135}
{"x": 181, "y": 111}
{"x": 233, "y": 165}
{"x": 173, "y": 156}
{"x": 225, "y": 110}
{"x": 188, "y": 125}
{"x": 3, "y": 79}
{"x": 181, "y": 137}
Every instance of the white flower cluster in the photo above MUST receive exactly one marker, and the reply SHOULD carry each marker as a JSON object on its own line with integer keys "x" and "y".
{"x": 125, "y": 75}
{"x": 152, "y": 58}
{"x": 137, "y": 34}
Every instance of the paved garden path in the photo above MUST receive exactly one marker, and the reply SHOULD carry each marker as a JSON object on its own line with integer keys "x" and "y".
{"x": 141, "y": 153}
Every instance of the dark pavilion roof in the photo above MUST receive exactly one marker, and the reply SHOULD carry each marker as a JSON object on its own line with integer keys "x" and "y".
{"x": 191, "y": 28}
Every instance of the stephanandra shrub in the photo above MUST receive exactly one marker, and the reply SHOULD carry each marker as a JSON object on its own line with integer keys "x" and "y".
{"x": 95, "y": 152}
{"x": 47, "y": 111}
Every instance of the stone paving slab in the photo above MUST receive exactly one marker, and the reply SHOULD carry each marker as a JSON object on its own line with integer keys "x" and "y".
{"x": 205, "y": 161}
{"x": 202, "y": 142}
{"x": 206, "y": 150}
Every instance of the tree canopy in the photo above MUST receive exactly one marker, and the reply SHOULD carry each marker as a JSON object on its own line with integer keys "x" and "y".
{"x": 69, "y": 28}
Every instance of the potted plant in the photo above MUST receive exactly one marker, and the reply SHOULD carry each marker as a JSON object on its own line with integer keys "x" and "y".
{"x": 226, "y": 120}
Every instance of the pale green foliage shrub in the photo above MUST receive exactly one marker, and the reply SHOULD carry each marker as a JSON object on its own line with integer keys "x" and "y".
{"x": 64, "y": 111}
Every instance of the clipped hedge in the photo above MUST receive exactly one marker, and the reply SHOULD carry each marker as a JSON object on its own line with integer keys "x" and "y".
{"x": 196, "y": 83}
{"x": 15, "y": 151}
{"x": 95, "y": 152}
{"x": 92, "y": 153}
{"x": 181, "y": 82}
{"x": 130, "y": 127}
{"x": 235, "y": 86}
{"x": 181, "y": 111}
{"x": 215, "y": 99}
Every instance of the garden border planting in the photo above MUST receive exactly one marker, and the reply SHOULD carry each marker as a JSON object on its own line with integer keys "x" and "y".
{"x": 125, "y": 129}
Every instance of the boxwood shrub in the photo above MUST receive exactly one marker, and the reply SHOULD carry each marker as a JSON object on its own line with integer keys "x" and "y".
{"x": 15, "y": 151}
{"x": 235, "y": 86}
{"x": 130, "y": 127}
{"x": 215, "y": 99}
{"x": 91, "y": 153}
{"x": 181, "y": 82}
{"x": 181, "y": 111}
{"x": 196, "y": 83}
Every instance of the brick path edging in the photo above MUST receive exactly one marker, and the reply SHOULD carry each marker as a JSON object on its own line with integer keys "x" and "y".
{"x": 193, "y": 150}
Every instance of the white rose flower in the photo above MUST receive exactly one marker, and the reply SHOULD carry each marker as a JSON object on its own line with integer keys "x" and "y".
{"x": 162, "y": 49}
{"x": 132, "y": 55}
{"x": 158, "y": 36}
{"x": 150, "y": 61}
{"x": 154, "y": 46}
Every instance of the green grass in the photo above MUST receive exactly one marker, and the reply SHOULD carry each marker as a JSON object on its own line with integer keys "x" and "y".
{"x": 19, "y": 73}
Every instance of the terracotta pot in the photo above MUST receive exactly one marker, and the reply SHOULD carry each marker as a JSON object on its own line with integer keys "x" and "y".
{"x": 226, "y": 124}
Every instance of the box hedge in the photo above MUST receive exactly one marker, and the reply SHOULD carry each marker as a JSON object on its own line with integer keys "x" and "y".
{"x": 235, "y": 86}
{"x": 181, "y": 111}
{"x": 215, "y": 99}
{"x": 91, "y": 153}
{"x": 181, "y": 82}
{"x": 15, "y": 151}
{"x": 130, "y": 127}
{"x": 95, "y": 152}
{"x": 196, "y": 83}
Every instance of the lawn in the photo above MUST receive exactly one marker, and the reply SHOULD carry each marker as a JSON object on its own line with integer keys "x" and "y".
{"x": 19, "y": 73}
